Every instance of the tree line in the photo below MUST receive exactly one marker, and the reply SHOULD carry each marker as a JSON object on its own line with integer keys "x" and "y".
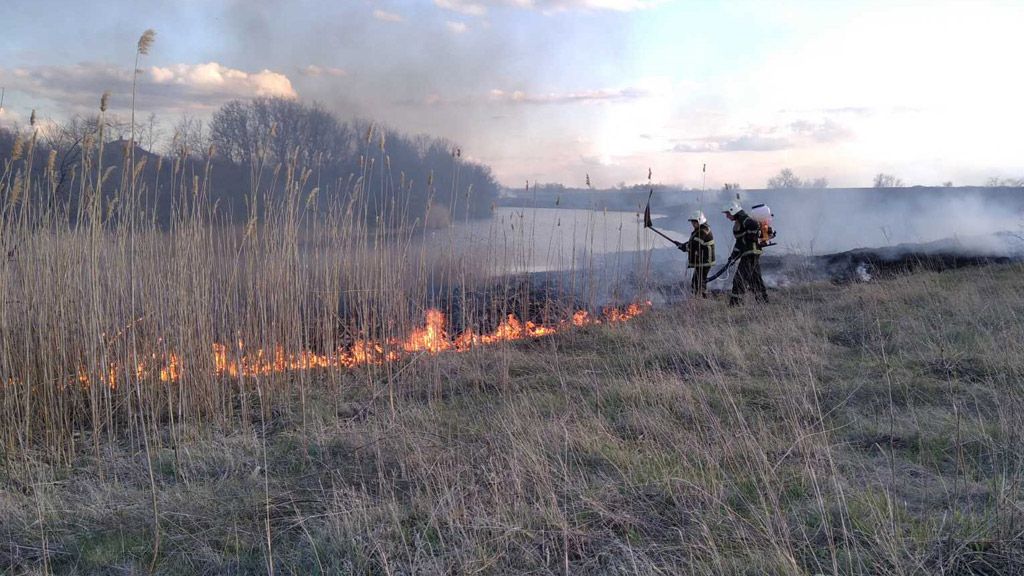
{"x": 244, "y": 148}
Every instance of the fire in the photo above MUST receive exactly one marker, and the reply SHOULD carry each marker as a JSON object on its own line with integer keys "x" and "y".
{"x": 432, "y": 338}
{"x": 624, "y": 314}
{"x": 580, "y": 318}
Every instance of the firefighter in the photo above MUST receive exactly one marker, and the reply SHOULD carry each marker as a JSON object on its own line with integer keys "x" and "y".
{"x": 747, "y": 251}
{"x": 700, "y": 251}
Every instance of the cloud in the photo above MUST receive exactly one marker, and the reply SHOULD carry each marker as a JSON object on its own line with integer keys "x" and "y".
{"x": 743, "y": 143}
{"x": 480, "y": 7}
{"x": 771, "y": 138}
{"x": 463, "y": 6}
{"x": 214, "y": 78}
{"x": 385, "y": 16}
{"x": 613, "y": 5}
{"x": 520, "y": 97}
{"x": 314, "y": 71}
{"x": 178, "y": 87}
{"x": 824, "y": 131}
{"x": 456, "y": 27}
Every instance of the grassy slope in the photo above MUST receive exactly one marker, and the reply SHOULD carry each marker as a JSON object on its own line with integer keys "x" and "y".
{"x": 860, "y": 429}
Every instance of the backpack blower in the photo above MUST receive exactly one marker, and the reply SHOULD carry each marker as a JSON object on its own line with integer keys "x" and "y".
{"x": 761, "y": 214}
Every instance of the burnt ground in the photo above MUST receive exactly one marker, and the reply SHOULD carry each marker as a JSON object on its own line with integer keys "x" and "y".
{"x": 860, "y": 265}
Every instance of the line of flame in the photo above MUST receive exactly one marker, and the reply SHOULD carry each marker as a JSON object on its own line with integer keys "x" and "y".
{"x": 432, "y": 338}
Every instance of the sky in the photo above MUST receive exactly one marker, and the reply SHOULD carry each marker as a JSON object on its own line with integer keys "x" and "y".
{"x": 558, "y": 90}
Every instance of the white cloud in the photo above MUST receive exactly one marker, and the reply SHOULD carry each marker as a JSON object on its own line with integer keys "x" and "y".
{"x": 177, "y": 87}
{"x": 770, "y": 138}
{"x": 520, "y": 97}
{"x": 314, "y": 71}
{"x": 614, "y": 5}
{"x": 456, "y": 27}
{"x": 463, "y": 6}
{"x": 385, "y": 16}
{"x": 213, "y": 77}
{"x": 480, "y": 7}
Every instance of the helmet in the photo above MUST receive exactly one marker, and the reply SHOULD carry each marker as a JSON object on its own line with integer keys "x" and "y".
{"x": 698, "y": 217}
{"x": 732, "y": 208}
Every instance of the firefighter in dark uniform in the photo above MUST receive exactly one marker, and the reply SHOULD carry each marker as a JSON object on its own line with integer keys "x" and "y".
{"x": 700, "y": 252}
{"x": 747, "y": 251}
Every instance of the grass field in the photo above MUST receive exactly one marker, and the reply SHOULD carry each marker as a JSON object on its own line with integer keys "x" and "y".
{"x": 858, "y": 429}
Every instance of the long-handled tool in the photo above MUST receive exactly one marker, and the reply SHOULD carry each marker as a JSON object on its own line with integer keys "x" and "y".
{"x": 722, "y": 270}
{"x": 648, "y": 223}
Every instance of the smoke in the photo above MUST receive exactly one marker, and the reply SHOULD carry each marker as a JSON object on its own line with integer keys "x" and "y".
{"x": 825, "y": 235}
{"x": 826, "y": 221}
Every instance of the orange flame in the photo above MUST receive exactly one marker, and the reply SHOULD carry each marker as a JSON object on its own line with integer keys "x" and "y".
{"x": 432, "y": 338}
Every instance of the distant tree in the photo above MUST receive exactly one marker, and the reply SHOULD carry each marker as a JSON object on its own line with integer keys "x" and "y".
{"x": 947, "y": 184}
{"x": 151, "y": 133}
{"x": 819, "y": 183}
{"x": 731, "y": 186}
{"x": 273, "y": 129}
{"x": 883, "y": 180}
{"x": 188, "y": 138}
{"x": 785, "y": 179}
{"x": 67, "y": 138}
{"x": 998, "y": 182}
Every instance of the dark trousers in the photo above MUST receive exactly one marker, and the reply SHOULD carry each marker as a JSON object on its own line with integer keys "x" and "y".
{"x": 748, "y": 279}
{"x": 699, "y": 282}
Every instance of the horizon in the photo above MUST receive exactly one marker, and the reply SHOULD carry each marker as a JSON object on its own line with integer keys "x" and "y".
{"x": 559, "y": 91}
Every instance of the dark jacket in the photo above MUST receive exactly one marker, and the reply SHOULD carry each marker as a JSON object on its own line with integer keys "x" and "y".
{"x": 700, "y": 248}
{"x": 747, "y": 233}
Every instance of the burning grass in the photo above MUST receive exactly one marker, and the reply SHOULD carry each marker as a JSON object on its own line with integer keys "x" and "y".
{"x": 691, "y": 440}
{"x": 432, "y": 338}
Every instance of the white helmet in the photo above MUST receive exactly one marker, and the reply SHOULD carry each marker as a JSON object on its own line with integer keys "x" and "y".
{"x": 698, "y": 217}
{"x": 732, "y": 208}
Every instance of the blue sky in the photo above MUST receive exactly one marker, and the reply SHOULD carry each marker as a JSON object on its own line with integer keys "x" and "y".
{"x": 553, "y": 90}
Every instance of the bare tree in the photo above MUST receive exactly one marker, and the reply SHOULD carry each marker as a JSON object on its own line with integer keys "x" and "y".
{"x": 785, "y": 179}
{"x": 67, "y": 139}
{"x": 883, "y": 180}
{"x": 189, "y": 138}
{"x": 996, "y": 182}
{"x": 233, "y": 132}
{"x": 153, "y": 132}
{"x": 276, "y": 129}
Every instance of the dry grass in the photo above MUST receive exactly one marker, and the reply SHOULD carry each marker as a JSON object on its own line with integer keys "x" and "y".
{"x": 867, "y": 429}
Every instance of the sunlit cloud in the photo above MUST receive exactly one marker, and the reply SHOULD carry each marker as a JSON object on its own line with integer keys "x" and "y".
{"x": 217, "y": 79}
{"x": 176, "y": 87}
{"x": 314, "y": 71}
{"x": 521, "y": 97}
{"x": 796, "y": 134}
{"x": 456, "y": 27}
{"x": 463, "y": 6}
{"x": 480, "y": 7}
{"x": 385, "y": 16}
